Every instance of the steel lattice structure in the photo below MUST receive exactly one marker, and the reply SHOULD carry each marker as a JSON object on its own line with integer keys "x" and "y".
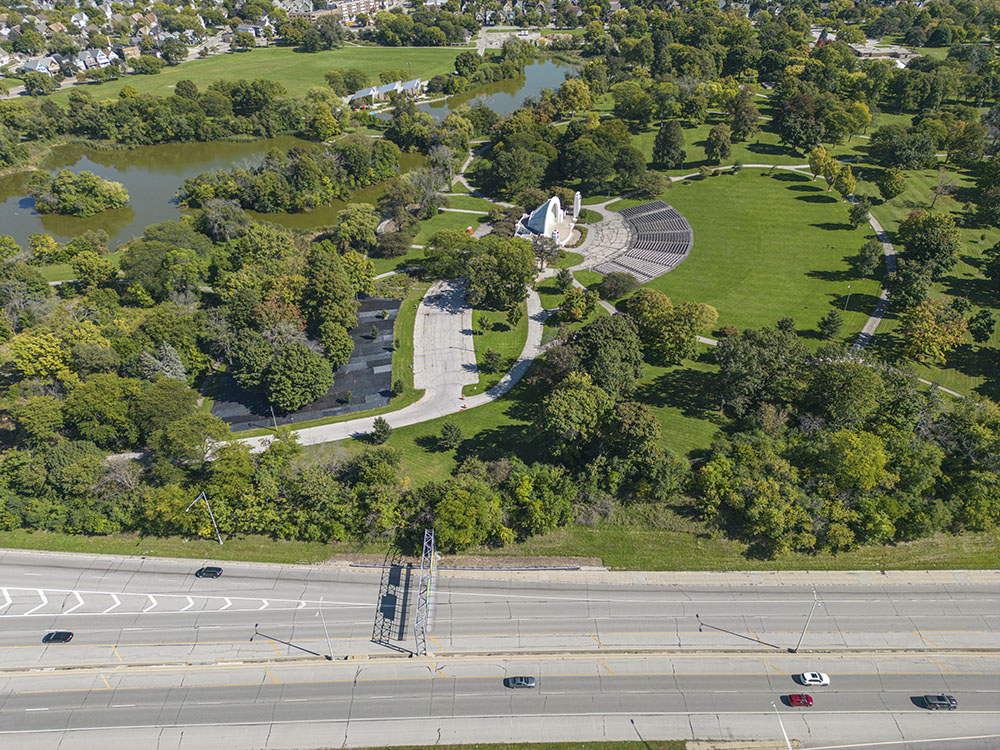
{"x": 425, "y": 592}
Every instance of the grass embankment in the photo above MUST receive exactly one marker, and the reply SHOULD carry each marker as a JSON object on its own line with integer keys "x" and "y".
{"x": 402, "y": 368}
{"x": 296, "y": 71}
{"x": 493, "y": 331}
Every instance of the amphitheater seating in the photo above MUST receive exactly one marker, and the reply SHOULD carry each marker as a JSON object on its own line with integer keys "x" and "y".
{"x": 660, "y": 238}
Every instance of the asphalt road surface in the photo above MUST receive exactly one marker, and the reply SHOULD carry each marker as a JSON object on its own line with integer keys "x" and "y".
{"x": 152, "y": 633}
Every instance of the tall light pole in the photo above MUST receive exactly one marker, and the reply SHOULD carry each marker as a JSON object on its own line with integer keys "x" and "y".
{"x": 781, "y": 724}
{"x": 848, "y": 297}
{"x": 322, "y": 617}
{"x": 816, "y": 603}
{"x": 204, "y": 497}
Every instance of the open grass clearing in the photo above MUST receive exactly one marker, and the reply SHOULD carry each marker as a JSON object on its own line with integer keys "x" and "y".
{"x": 470, "y": 202}
{"x": 413, "y": 257}
{"x": 446, "y": 220}
{"x": 296, "y": 71}
{"x": 767, "y": 247}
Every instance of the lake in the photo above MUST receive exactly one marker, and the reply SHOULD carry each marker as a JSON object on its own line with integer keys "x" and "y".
{"x": 152, "y": 174}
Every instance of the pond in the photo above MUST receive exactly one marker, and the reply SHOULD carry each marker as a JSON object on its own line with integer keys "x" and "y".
{"x": 151, "y": 174}
{"x": 503, "y": 97}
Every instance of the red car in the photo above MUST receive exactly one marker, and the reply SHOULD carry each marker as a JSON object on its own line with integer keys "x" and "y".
{"x": 800, "y": 699}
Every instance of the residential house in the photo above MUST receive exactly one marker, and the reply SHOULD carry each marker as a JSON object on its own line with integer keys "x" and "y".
{"x": 79, "y": 19}
{"x": 47, "y": 65}
{"x": 5, "y": 57}
{"x": 55, "y": 28}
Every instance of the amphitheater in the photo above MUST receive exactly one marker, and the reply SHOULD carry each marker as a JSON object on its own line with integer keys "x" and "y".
{"x": 646, "y": 241}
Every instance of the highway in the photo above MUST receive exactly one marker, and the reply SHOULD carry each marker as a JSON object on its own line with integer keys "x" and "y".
{"x": 149, "y": 639}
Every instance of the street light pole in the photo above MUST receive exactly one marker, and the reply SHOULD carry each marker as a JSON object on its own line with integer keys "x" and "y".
{"x": 211, "y": 515}
{"x": 816, "y": 603}
{"x": 848, "y": 297}
{"x": 782, "y": 725}
{"x": 322, "y": 617}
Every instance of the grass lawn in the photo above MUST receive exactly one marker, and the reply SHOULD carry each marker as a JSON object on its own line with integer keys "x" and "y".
{"x": 402, "y": 362}
{"x": 766, "y": 247}
{"x": 296, "y": 71}
{"x": 971, "y": 368}
{"x": 569, "y": 259}
{"x": 494, "y": 332}
{"x": 414, "y": 257}
{"x": 469, "y": 202}
{"x": 446, "y": 220}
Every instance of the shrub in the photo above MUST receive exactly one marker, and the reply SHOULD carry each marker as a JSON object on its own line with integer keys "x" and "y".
{"x": 618, "y": 284}
{"x": 492, "y": 361}
{"x": 380, "y": 431}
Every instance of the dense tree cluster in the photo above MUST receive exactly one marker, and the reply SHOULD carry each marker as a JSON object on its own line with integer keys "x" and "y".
{"x": 75, "y": 194}
{"x": 836, "y": 451}
{"x": 299, "y": 179}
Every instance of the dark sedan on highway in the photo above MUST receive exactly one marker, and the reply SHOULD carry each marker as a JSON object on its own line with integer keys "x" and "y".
{"x": 59, "y": 636}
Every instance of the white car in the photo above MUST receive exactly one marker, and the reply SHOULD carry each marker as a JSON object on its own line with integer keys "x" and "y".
{"x": 814, "y": 678}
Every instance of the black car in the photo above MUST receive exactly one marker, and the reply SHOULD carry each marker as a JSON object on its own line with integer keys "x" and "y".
{"x": 522, "y": 681}
{"x": 940, "y": 702}
{"x": 59, "y": 636}
{"x": 210, "y": 571}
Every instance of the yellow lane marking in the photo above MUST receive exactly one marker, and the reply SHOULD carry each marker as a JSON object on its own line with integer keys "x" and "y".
{"x": 773, "y": 667}
{"x": 276, "y": 681}
{"x": 597, "y": 640}
{"x": 605, "y": 666}
{"x": 350, "y": 680}
{"x": 941, "y": 665}
{"x": 434, "y": 667}
{"x": 438, "y": 644}
{"x": 276, "y": 648}
{"x": 106, "y": 683}
{"x": 924, "y": 639}
{"x": 118, "y": 655}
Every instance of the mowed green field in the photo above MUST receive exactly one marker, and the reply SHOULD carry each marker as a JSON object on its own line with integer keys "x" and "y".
{"x": 296, "y": 71}
{"x": 766, "y": 247}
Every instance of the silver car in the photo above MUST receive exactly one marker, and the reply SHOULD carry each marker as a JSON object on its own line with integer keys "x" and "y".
{"x": 522, "y": 681}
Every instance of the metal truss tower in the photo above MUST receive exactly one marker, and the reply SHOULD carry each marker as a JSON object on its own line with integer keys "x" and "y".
{"x": 425, "y": 593}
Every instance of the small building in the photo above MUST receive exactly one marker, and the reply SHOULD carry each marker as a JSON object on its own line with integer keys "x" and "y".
{"x": 550, "y": 220}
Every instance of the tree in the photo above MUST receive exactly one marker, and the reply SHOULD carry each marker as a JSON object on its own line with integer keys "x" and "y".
{"x": 189, "y": 441}
{"x": 296, "y": 376}
{"x": 243, "y": 40}
{"x": 843, "y": 181}
{"x": 668, "y": 148}
{"x": 891, "y": 183}
{"x": 98, "y": 410}
{"x": 609, "y": 351}
{"x": 718, "y": 145}
{"x": 930, "y": 330}
{"x": 38, "y": 354}
{"x": 451, "y": 436}
{"x": 618, "y": 284}
{"x": 380, "y": 431}
{"x": 869, "y": 259}
{"x": 572, "y": 96}
{"x": 830, "y": 324}
{"x": 931, "y": 240}
{"x": 499, "y": 277}
{"x": 492, "y": 361}
{"x": 38, "y": 419}
{"x": 572, "y": 414}
{"x": 820, "y": 161}
{"x": 944, "y": 187}
{"x": 92, "y": 269}
{"x": 759, "y": 366}
{"x": 355, "y": 227}
{"x": 745, "y": 117}
{"x": 466, "y": 514}
{"x": 38, "y": 84}
{"x": 981, "y": 326}
{"x": 173, "y": 51}
{"x": 857, "y": 212}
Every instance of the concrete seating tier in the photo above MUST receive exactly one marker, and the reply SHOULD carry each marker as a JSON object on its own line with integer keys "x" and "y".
{"x": 659, "y": 238}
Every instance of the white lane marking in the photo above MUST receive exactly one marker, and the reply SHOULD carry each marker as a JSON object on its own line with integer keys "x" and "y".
{"x": 122, "y": 705}
{"x": 301, "y": 605}
{"x": 6, "y": 596}
{"x": 189, "y": 604}
{"x": 44, "y": 602}
{"x": 79, "y": 603}
{"x": 152, "y": 599}
{"x": 295, "y": 700}
{"x": 36, "y": 709}
{"x": 113, "y": 606}
{"x": 228, "y": 604}
{"x": 33, "y": 574}
{"x": 263, "y": 606}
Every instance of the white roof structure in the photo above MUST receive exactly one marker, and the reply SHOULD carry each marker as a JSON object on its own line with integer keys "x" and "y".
{"x": 546, "y": 217}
